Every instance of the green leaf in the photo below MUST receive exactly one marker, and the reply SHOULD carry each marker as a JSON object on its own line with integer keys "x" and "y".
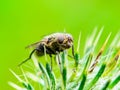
{"x": 96, "y": 78}
{"x": 51, "y": 76}
{"x": 77, "y": 58}
{"x": 106, "y": 85}
{"x": 47, "y": 79}
{"x": 114, "y": 82}
{"x": 64, "y": 75}
{"x": 86, "y": 66}
{"x": 82, "y": 84}
{"x": 28, "y": 86}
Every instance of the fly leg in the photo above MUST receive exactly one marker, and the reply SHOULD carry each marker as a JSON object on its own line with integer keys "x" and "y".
{"x": 59, "y": 61}
{"x": 58, "y": 55}
{"x": 51, "y": 61}
{"x": 73, "y": 53}
{"x": 29, "y": 57}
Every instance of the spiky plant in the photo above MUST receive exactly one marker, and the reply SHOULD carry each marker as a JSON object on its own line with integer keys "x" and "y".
{"x": 90, "y": 72}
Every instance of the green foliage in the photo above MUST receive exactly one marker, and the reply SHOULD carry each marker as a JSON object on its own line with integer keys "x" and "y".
{"x": 98, "y": 75}
{"x": 91, "y": 71}
{"x": 82, "y": 82}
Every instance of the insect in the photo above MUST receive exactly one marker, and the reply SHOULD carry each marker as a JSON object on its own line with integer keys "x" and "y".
{"x": 52, "y": 44}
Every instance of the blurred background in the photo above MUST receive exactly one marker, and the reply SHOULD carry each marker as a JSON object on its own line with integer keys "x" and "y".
{"x": 23, "y": 22}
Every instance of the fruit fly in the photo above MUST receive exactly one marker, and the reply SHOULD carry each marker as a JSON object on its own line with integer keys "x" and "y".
{"x": 52, "y": 44}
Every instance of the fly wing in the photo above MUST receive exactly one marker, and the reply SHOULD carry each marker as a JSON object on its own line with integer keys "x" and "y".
{"x": 34, "y": 44}
{"x": 47, "y": 38}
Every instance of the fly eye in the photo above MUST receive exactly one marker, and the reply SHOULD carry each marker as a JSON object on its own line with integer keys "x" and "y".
{"x": 71, "y": 40}
{"x": 60, "y": 40}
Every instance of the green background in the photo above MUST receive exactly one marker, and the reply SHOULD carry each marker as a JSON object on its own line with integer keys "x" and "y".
{"x": 23, "y": 22}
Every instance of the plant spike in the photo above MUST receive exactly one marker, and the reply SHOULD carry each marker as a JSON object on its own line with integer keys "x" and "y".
{"x": 99, "y": 54}
{"x": 64, "y": 69}
{"x": 51, "y": 76}
{"x": 75, "y": 70}
{"x": 47, "y": 79}
{"x": 17, "y": 87}
{"x": 98, "y": 36}
{"x": 78, "y": 45}
{"x": 64, "y": 76}
{"x": 114, "y": 82}
{"x": 24, "y": 75}
{"x": 90, "y": 39}
{"x": 111, "y": 65}
{"x": 115, "y": 40}
{"x": 86, "y": 66}
{"x": 106, "y": 85}
{"x": 35, "y": 78}
{"x": 82, "y": 84}
{"x": 19, "y": 79}
{"x": 96, "y": 78}
{"x": 35, "y": 61}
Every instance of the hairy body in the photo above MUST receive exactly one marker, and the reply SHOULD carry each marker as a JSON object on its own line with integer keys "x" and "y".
{"x": 52, "y": 44}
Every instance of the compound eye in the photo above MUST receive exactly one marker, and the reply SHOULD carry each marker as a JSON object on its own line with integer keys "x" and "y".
{"x": 60, "y": 40}
{"x": 70, "y": 40}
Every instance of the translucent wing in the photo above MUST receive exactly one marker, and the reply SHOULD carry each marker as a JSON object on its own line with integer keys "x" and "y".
{"x": 34, "y": 44}
{"x": 48, "y": 38}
